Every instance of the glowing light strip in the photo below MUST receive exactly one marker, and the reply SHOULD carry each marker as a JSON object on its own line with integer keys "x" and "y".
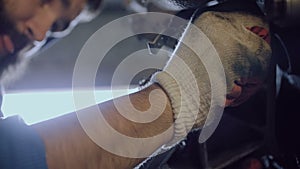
{"x": 35, "y": 107}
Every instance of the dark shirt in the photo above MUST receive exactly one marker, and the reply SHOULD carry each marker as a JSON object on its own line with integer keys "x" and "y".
{"x": 20, "y": 146}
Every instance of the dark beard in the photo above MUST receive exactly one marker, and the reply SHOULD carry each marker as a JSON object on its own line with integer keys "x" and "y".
{"x": 10, "y": 64}
{"x": 20, "y": 41}
{"x": 11, "y": 59}
{"x": 13, "y": 70}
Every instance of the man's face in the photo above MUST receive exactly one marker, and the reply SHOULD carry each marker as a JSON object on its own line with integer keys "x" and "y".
{"x": 23, "y": 22}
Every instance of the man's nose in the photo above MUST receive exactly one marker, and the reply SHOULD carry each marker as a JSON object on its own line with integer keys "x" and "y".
{"x": 37, "y": 27}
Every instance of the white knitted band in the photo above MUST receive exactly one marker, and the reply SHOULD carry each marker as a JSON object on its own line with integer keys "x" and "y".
{"x": 187, "y": 83}
{"x": 194, "y": 77}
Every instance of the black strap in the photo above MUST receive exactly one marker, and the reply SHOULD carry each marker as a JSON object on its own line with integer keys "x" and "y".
{"x": 245, "y": 6}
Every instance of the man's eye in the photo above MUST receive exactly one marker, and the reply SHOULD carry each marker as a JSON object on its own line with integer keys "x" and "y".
{"x": 60, "y": 25}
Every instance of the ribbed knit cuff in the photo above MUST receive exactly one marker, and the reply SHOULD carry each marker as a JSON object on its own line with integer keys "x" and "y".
{"x": 192, "y": 76}
{"x": 186, "y": 82}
